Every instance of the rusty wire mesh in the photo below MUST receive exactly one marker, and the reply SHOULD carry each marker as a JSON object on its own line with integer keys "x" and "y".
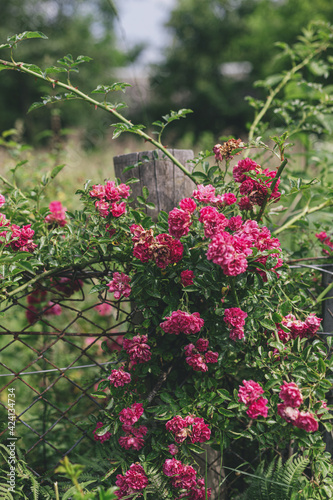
{"x": 55, "y": 361}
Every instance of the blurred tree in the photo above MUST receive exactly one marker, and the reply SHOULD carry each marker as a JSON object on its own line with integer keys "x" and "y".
{"x": 220, "y": 47}
{"x": 79, "y": 27}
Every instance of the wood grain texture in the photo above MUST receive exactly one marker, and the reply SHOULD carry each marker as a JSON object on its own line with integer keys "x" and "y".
{"x": 166, "y": 183}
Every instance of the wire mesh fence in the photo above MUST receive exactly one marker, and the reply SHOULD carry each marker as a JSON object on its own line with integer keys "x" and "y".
{"x": 57, "y": 342}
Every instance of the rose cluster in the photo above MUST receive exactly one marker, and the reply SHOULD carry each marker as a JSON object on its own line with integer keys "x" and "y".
{"x": 134, "y": 481}
{"x": 20, "y": 239}
{"x": 230, "y": 251}
{"x": 184, "y": 477}
{"x": 254, "y": 190}
{"x": 288, "y": 410}
{"x": 182, "y": 322}
{"x": 190, "y": 426}
{"x": 137, "y": 349}
{"x": 298, "y": 328}
{"x": 250, "y": 394}
{"x": 163, "y": 250}
{"x": 133, "y": 438}
{"x": 108, "y": 198}
{"x": 235, "y": 320}
{"x": 118, "y": 378}
{"x": 197, "y": 356}
{"x": 58, "y": 214}
{"x": 120, "y": 285}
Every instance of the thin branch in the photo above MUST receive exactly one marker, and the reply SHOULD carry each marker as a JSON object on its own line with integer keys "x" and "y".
{"x": 21, "y": 67}
{"x": 162, "y": 378}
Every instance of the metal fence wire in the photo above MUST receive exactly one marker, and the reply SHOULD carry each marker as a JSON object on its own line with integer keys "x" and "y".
{"x": 57, "y": 342}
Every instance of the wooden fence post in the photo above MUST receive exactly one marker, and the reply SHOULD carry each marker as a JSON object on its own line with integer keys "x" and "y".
{"x": 166, "y": 183}
{"x": 328, "y": 327}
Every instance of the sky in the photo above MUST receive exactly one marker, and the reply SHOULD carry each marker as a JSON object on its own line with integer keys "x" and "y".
{"x": 142, "y": 21}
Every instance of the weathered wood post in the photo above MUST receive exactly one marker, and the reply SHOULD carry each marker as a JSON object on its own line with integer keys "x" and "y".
{"x": 166, "y": 183}
{"x": 328, "y": 327}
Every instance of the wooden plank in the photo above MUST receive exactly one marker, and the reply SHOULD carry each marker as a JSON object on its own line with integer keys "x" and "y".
{"x": 166, "y": 183}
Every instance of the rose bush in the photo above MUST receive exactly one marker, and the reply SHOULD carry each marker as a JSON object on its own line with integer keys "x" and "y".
{"x": 228, "y": 330}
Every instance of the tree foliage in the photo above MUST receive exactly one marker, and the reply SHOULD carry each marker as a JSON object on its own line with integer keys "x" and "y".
{"x": 207, "y": 37}
{"x": 86, "y": 27}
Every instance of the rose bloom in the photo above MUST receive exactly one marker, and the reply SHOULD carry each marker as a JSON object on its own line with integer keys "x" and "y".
{"x": 249, "y": 392}
{"x": 258, "y": 408}
{"x": 200, "y": 431}
{"x": 306, "y": 421}
{"x": 132, "y": 414}
{"x": 188, "y": 204}
{"x": 119, "y": 378}
{"x": 187, "y": 277}
{"x": 202, "y": 345}
{"x": 179, "y": 222}
{"x": 173, "y": 450}
{"x": 288, "y": 413}
{"x": 291, "y": 394}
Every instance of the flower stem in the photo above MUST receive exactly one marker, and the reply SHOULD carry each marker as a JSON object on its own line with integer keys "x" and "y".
{"x": 306, "y": 210}
{"x": 233, "y": 290}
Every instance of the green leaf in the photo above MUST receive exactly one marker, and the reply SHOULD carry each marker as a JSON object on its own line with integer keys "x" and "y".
{"x": 166, "y": 398}
{"x": 33, "y": 67}
{"x": 285, "y": 308}
{"x": 277, "y": 318}
{"x": 26, "y": 266}
{"x": 141, "y": 200}
{"x": 199, "y": 176}
{"x": 54, "y": 69}
{"x": 268, "y": 323}
{"x": 225, "y": 412}
{"x": 99, "y": 394}
{"x": 83, "y": 59}
{"x": 33, "y": 34}
{"x": 55, "y": 171}
{"x": 105, "y": 89}
{"x": 97, "y": 288}
{"x": 35, "y": 105}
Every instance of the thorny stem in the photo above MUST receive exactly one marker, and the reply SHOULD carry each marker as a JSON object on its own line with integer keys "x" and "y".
{"x": 322, "y": 297}
{"x": 50, "y": 272}
{"x": 233, "y": 290}
{"x": 306, "y": 210}
{"x": 162, "y": 378}
{"x": 98, "y": 104}
{"x": 283, "y": 82}
{"x": 271, "y": 188}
